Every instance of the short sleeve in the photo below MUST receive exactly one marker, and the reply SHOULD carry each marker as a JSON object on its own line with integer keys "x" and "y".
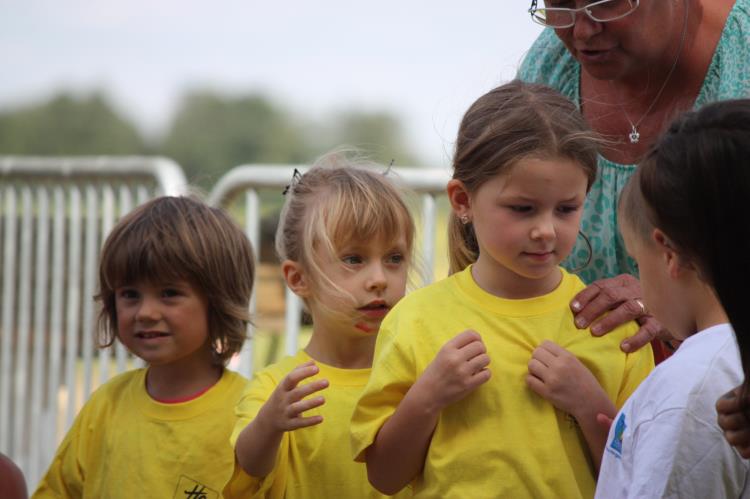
{"x": 242, "y": 485}
{"x": 638, "y": 365}
{"x": 393, "y": 373}
{"x": 65, "y": 477}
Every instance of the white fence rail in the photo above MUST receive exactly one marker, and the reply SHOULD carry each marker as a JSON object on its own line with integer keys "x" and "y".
{"x": 54, "y": 215}
{"x": 249, "y": 180}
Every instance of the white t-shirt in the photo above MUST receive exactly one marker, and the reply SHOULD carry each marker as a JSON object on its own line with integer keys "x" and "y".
{"x": 665, "y": 441}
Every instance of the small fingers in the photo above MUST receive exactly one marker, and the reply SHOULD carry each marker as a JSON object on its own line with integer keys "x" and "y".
{"x": 464, "y": 338}
{"x": 473, "y": 349}
{"x": 478, "y": 363}
{"x": 303, "y": 391}
{"x": 537, "y": 368}
{"x": 604, "y": 421}
{"x": 297, "y": 423}
{"x": 548, "y": 352}
{"x": 296, "y": 409}
{"x": 536, "y": 385}
{"x": 299, "y": 373}
{"x": 480, "y": 377}
{"x": 552, "y": 347}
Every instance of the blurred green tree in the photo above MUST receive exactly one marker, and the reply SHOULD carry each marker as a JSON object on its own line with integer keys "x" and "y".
{"x": 68, "y": 125}
{"x": 210, "y": 134}
{"x": 378, "y": 135}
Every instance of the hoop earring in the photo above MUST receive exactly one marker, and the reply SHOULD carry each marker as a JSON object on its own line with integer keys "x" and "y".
{"x": 591, "y": 253}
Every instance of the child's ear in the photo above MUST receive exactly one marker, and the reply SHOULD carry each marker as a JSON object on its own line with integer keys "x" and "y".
{"x": 676, "y": 265}
{"x": 459, "y": 198}
{"x": 295, "y": 278}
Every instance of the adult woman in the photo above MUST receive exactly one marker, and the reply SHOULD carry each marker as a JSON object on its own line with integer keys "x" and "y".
{"x": 631, "y": 66}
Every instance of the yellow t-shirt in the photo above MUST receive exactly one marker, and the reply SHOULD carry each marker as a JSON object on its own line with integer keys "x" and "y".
{"x": 124, "y": 444}
{"x": 502, "y": 440}
{"x": 313, "y": 462}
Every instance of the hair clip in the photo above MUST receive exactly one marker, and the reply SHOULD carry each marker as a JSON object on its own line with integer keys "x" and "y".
{"x": 296, "y": 176}
{"x": 388, "y": 170}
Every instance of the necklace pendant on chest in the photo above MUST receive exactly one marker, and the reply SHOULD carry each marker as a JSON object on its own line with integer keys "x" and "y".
{"x": 634, "y": 136}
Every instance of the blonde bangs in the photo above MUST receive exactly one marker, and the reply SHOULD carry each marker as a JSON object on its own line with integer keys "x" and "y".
{"x": 360, "y": 211}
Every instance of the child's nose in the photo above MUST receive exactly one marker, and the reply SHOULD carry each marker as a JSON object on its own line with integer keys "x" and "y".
{"x": 148, "y": 310}
{"x": 544, "y": 228}
{"x": 376, "y": 278}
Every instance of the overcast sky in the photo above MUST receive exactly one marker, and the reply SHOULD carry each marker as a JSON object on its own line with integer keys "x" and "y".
{"x": 423, "y": 60}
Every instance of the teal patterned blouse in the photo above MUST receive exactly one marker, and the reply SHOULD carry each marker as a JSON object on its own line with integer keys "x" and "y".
{"x": 549, "y": 62}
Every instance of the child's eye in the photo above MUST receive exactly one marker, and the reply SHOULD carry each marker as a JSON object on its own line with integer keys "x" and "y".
{"x": 521, "y": 208}
{"x": 127, "y": 294}
{"x": 568, "y": 209}
{"x": 395, "y": 258}
{"x": 170, "y": 292}
{"x": 352, "y": 259}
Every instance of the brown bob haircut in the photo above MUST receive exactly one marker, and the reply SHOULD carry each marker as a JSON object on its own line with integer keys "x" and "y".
{"x": 181, "y": 238}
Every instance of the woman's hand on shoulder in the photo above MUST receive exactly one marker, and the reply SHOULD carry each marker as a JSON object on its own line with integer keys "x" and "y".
{"x": 283, "y": 410}
{"x": 733, "y": 421}
{"x": 621, "y": 299}
{"x": 458, "y": 369}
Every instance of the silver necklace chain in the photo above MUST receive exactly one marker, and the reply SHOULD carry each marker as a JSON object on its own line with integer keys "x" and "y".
{"x": 634, "y": 136}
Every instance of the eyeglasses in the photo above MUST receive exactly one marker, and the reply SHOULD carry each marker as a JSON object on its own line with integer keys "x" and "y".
{"x": 602, "y": 11}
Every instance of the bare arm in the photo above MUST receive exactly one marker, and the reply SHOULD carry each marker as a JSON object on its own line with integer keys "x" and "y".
{"x": 258, "y": 444}
{"x": 559, "y": 377}
{"x": 398, "y": 453}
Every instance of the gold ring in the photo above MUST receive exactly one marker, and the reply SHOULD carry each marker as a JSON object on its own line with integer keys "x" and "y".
{"x": 643, "y": 307}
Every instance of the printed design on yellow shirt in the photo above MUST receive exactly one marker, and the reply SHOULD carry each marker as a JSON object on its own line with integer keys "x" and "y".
{"x": 187, "y": 488}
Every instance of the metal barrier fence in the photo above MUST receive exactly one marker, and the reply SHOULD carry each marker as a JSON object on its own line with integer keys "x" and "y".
{"x": 249, "y": 180}
{"x": 54, "y": 215}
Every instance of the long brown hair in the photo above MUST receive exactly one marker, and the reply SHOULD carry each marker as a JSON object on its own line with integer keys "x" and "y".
{"x": 695, "y": 186}
{"x": 514, "y": 121}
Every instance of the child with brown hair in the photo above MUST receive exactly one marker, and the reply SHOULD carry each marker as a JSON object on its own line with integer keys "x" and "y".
{"x": 175, "y": 279}
{"x": 345, "y": 240}
{"x": 431, "y": 414}
{"x": 682, "y": 217}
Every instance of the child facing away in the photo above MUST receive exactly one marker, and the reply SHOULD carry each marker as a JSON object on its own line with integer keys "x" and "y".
{"x": 680, "y": 215}
{"x": 431, "y": 414}
{"x": 175, "y": 279}
{"x": 345, "y": 240}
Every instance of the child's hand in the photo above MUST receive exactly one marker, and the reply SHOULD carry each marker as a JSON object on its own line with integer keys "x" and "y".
{"x": 604, "y": 421}
{"x": 558, "y": 376}
{"x": 457, "y": 370}
{"x": 283, "y": 410}
{"x": 733, "y": 421}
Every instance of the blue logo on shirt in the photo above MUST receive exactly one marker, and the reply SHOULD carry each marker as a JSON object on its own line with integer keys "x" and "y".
{"x": 615, "y": 446}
